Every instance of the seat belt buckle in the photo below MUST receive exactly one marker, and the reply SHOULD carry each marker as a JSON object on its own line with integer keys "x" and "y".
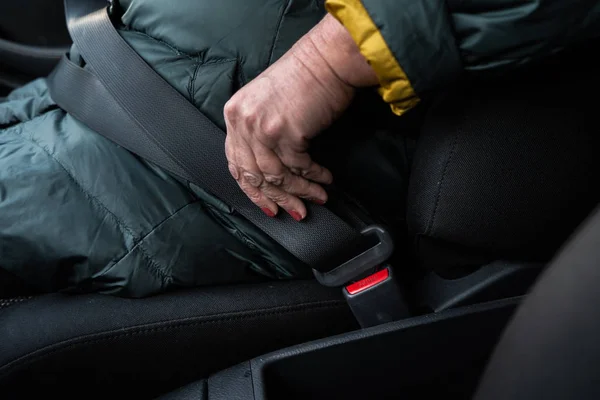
{"x": 368, "y": 283}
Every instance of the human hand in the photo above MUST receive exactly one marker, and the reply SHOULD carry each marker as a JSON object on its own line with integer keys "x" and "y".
{"x": 271, "y": 120}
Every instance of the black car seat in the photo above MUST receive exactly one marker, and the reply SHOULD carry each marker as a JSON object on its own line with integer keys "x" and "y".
{"x": 547, "y": 349}
{"x": 64, "y": 344}
{"x": 506, "y": 169}
{"x": 503, "y": 171}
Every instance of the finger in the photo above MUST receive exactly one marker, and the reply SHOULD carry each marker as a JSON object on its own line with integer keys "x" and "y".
{"x": 248, "y": 185}
{"x": 290, "y": 203}
{"x": 277, "y": 174}
{"x": 303, "y": 165}
{"x": 246, "y": 176}
{"x": 301, "y": 187}
{"x": 317, "y": 173}
{"x": 231, "y": 155}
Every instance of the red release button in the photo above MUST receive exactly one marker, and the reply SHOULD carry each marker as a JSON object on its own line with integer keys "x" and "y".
{"x": 368, "y": 282}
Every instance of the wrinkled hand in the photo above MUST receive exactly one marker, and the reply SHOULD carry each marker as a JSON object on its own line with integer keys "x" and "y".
{"x": 271, "y": 120}
{"x": 269, "y": 125}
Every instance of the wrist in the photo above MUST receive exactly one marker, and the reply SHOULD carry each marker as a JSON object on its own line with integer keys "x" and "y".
{"x": 337, "y": 48}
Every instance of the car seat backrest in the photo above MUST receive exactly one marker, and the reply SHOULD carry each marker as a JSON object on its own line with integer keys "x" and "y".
{"x": 507, "y": 169}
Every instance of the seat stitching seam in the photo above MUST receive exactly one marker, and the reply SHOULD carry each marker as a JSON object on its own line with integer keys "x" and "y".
{"x": 439, "y": 192}
{"x": 251, "y": 377}
{"x": 167, "y": 326}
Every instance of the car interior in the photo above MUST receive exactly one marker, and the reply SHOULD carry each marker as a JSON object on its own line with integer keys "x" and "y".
{"x": 491, "y": 295}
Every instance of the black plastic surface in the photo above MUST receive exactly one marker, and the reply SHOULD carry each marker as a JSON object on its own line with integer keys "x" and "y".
{"x": 431, "y": 355}
{"x": 440, "y": 355}
{"x": 494, "y": 281}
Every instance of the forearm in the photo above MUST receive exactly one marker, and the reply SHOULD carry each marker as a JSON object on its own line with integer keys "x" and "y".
{"x": 328, "y": 49}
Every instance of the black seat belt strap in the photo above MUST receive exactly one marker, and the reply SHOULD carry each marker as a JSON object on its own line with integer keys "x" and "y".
{"x": 125, "y": 100}
{"x": 121, "y": 97}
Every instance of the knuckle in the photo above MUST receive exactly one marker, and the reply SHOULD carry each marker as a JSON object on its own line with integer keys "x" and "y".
{"x": 252, "y": 179}
{"x": 233, "y": 170}
{"x": 239, "y": 112}
{"x": 247, "y": 114}
{"x": 297, "y": 162}
{"x": 296, "y": 171}
{"x": 308, "y": 173}
{"x": 297, "y": 186}
{"x": 269, "y": 165}
{"x": 276, "y": 180}
{"x": 308, "y": 189}
{"x": 281, "y": 198}
{"x": 229, "y": 147}
{"x": 230, "y": 110}
{"x": 272, "y": 127}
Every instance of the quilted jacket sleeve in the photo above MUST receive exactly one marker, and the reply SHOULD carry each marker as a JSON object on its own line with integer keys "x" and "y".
{"x": 415, "y": 46}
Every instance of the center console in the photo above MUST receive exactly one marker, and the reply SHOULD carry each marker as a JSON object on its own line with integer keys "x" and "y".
{"x": 441, "y": 353}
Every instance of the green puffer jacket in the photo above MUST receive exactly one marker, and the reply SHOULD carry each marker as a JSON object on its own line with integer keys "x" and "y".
{"x": 416, "y": 46}
{"x": 78, "y": 212}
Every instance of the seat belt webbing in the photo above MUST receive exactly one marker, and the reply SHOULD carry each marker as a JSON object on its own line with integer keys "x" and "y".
{"x": 121, "y": 97}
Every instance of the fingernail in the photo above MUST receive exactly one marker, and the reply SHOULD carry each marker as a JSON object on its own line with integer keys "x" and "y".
{"x": 296, "y": 215}
{"x": 268, "y": 212}
{"x": 316, "y": 201}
